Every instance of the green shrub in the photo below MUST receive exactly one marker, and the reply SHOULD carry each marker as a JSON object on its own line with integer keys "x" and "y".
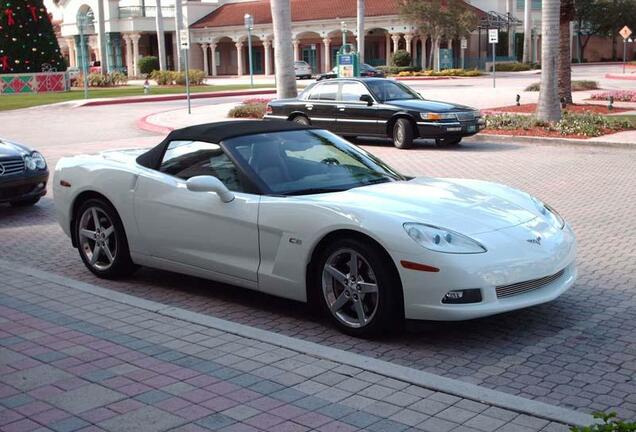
{"x": 248, "y": 110}
{"x": 512, "y": 67}
{"x": 401, "y": 58}
{"x": 577, "y": 85}
{"x": 586, "y": 124}
{"x": 104, "y": 80}
{"x": 445, "y": 72}
{"x": 162, "y": 77}
{"x": 610, "y": 424}
{"x": 393, "y": 70}
{"x": 196, "y": 77}
{"x": 148, "y": 64}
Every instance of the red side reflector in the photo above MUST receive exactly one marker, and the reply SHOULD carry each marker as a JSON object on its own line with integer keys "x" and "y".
{"x": 417, "y": 266}
{"x": 64, "y": 183}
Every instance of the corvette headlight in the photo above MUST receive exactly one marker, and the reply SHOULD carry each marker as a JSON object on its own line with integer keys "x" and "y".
{"x": 550, "y": 214}
{"x": 34, "y": 161}
{"x": 438, "y": 116}
{"x": 442, "y": 240}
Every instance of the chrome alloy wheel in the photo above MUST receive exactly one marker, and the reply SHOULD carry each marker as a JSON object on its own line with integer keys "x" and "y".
{"x": 96, "y": 238}
{"x": 350, "y": 288}
{"x": 399, "y": 133}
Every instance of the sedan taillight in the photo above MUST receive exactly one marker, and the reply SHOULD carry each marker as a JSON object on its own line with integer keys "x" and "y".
{"x": 268, "y": 109}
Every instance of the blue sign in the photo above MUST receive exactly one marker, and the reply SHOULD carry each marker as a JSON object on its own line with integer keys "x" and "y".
{"x": 345, "y": 59}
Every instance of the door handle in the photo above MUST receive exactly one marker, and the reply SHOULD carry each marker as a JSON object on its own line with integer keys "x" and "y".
{"x": 341, "y": 107}
{"x": 309, "y": 107}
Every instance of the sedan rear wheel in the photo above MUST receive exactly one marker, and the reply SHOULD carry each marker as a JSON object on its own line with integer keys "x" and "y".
{"x": 101, "y": 240}
{"x": 357, "y": 288}
{"x": 301, "y": 119}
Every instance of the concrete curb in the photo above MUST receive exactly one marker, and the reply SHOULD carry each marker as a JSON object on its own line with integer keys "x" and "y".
{"x": 144, "y": 124}
{"x": 413, "y": 376}
{"x": 179, "y": 96}
{"x": 513, "y": 139}
{"x": 621, "y": 77}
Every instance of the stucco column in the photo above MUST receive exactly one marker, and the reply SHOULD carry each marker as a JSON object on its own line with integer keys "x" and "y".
{"x": 71, "y": 52}
{"x": 395, "y": 37}
{"x": 408, "y": 38}
{"x": 213, "y": 60}
{"x": 204, "y": 48}
{"x": 296, "y": 44}
{"x": 387, "y": 49}
{"x": 423, "y": 58}
{"x": 267, "y": 47}
{"x": 135, "y": 52}
{"x": 239, "y": 58}
{"x": 326, "y": 43}
{"x": 129, "y": 54}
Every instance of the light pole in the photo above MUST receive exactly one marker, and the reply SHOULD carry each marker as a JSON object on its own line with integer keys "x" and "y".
{"x": 249, "y": 25}
{"x": 81, "y": 24}
{"x": 343, "y": 28}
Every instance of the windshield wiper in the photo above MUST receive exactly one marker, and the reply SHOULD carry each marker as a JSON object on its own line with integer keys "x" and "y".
{"x": 312, "y": 191}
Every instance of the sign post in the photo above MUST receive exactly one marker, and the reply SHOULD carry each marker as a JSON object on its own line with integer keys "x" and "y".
{"x": 184, "y": 39}
{"x": 626, "y": 32}
{"x": 463, "y": 46}
{"x": 493, "y": 39}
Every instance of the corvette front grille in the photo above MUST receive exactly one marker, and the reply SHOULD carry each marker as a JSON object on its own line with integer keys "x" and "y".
{"x": 523, "y": 287}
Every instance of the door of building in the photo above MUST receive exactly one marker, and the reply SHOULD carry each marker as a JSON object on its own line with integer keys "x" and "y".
{"x": 309, "y": 55}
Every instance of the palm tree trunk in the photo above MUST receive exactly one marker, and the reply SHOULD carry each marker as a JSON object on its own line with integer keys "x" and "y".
{"x": 527, "y": 32}
{"x": 178, "y": 25}
{"x": 360, "y": 29}
{"x": 549, "y": 108}
{"x": 565, "y": 57}
{"x": 161, "y": 40}
{"x": 101, "y": 37}
{"x": 283, "y": 49}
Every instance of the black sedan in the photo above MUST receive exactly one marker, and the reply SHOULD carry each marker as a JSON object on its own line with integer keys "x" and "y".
{"x": 377, "y": 107}
{"x": 23, "y": 174}
{"x": 366, "y": 71}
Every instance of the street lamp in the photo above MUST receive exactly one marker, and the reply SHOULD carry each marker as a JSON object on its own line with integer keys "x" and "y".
{"x": 82, "y": 22}
{"x": 249, "y": 25}
{"x": 343, "y": 28}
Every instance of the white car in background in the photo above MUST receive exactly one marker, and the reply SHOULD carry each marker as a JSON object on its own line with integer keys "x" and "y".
{"x": 302, "y": 69}
{"x": 298, "y": 212}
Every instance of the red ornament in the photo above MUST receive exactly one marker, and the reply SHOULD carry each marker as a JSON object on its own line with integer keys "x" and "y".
{"x": 9, "y": 13}
{"x": 5, "y": 62}
{"x": 34, "y": 12}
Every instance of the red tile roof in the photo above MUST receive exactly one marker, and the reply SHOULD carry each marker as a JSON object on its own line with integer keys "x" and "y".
{"x": 232, "y": 14}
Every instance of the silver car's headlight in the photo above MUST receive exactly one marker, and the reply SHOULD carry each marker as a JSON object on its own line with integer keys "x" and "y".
{"x": 34, "y": 161}
{"x": 551, "y": 215}
{"x": 442, "y": 240}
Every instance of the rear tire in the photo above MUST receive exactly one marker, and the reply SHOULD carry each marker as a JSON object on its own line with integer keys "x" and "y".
{"x": 447, "y": 142}
{"x": 301, "y": 119}
{"x": 403, "y": 134}
{"x": 25, "y": 202}
{"x": 101, "y": 240}
{"x": 345, "y": 293}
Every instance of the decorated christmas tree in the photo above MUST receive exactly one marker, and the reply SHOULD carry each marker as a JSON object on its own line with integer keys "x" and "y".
{"x": 27, "y": 39}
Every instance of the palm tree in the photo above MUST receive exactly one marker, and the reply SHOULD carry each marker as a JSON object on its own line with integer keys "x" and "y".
{"x": 161, "y": 40}
{"x": 527, "y": 31}
{"x": 101, "y": 37}
{"x": 565, "y": 59}
{"x": 283, "y": 49}
{"x": 361, "y": 30}
{"x": 549, "y": 108}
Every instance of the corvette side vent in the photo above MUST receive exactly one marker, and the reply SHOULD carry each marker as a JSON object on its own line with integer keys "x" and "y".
{"x": 523, "y": 287}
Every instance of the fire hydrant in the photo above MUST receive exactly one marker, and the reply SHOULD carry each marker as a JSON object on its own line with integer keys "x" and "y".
{"x": 146, "y": 86}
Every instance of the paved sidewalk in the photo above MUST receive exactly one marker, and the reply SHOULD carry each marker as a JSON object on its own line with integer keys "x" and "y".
{"x": 73, "y": 360}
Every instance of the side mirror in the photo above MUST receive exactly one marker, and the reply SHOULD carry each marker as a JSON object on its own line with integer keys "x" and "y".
{"x": 206, "y": 183}
{"x": 367, "y": 98}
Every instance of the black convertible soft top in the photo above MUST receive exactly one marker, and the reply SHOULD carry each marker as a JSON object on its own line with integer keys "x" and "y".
{"x": 215, "y": 133}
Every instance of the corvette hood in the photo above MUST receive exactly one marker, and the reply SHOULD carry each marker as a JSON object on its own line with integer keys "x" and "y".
{"x": 466, "y": 206}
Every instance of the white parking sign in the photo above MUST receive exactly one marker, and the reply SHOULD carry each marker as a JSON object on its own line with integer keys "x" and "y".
{"x": 184, "y": 38}
{"x": 493, "y": 36}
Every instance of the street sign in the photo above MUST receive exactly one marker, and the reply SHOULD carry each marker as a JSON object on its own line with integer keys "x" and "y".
{"x": 625, "y": 32}
{"x": 493, "y": 36}
{"x": 184, "y": 38}
{"x": 464, "y": 43}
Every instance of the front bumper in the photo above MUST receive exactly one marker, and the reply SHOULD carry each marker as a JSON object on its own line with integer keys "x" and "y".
{"x": 23, "y": 187}
{"x": 510, "y": 259}
{"x": 444, "y": 129}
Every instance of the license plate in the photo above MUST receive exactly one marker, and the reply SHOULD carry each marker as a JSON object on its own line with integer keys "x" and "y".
{"x": 470, "y": 128}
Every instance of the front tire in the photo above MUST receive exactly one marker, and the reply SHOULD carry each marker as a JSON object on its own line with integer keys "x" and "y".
{"x": 403, "y": 134}
{"x": 102, "y": 241}
{"x": 357, "y": 288}
{"x": 25, "y": 202}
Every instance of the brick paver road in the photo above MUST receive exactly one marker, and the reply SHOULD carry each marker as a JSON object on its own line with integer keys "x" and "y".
{"x": 578, "y": 351}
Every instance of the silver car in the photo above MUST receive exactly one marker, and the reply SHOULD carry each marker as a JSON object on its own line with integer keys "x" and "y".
{"x": 302, "y": 69}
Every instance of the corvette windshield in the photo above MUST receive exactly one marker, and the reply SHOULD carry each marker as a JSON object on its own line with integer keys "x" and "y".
{"x": 386, "y": 90}
{"x": 308, "y": 161}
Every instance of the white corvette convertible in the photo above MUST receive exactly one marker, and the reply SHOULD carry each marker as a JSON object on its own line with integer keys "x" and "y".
{"x": 300, "y": 213}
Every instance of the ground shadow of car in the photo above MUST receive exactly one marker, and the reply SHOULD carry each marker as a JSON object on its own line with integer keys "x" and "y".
{"x": 429, "y": 144}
